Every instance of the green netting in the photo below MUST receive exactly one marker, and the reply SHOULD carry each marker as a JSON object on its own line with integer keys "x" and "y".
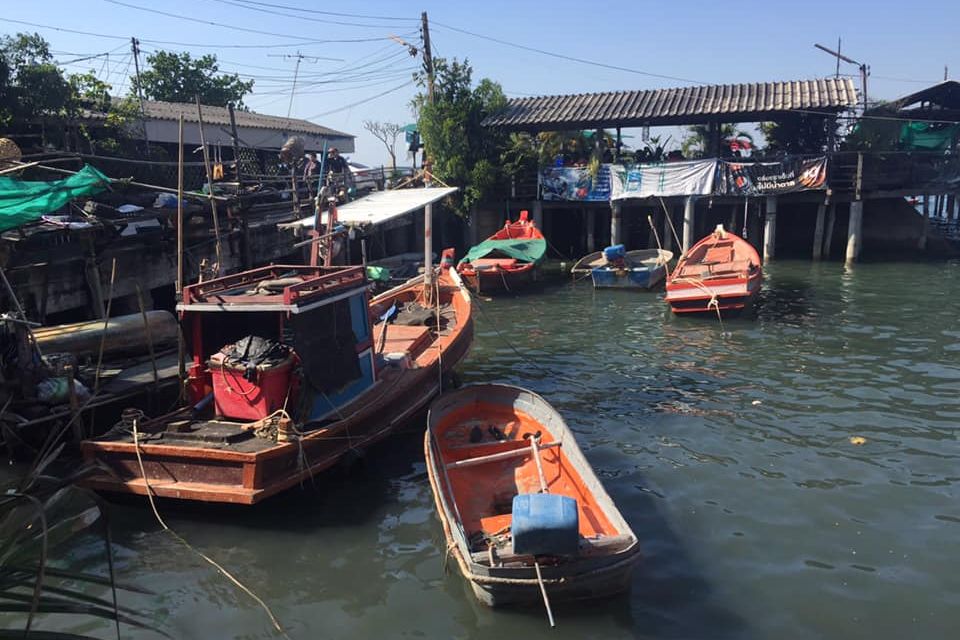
{"x": 523, "y": 250}
{"x": 22, "y": 201}
{"x": 923, "y": 135}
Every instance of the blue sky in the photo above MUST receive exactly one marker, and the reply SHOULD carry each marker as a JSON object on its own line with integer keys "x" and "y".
{"x": 705, "y": 42}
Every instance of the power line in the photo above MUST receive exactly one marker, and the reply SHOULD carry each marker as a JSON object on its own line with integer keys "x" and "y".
{"x": 328, "y": 13}
{"x": 359, "y": 102}
{"x": 208, "y": 22}
{"x": 566, "y": 57}
{"x": 301, "y": 17}
{"x": 197, "y": 45}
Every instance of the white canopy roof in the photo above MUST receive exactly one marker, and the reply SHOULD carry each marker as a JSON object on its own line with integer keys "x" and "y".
{"x": 381, "y": 206}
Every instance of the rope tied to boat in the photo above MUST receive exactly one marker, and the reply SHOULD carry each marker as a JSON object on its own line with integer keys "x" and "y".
{"x": 223, "y": 571}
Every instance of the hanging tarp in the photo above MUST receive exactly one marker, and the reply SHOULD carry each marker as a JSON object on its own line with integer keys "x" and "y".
{"x": 929, "y": 137}
{"x": 22, "y": 201}
{"x": 526, "y": 250}
{"x": 771, "y": 178}
{"x": 576, "y": 184}
{"x": 684, "y": 178}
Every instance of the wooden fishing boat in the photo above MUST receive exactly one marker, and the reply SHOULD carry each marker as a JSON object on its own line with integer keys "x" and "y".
{"x": 292, "y": 367}
{"x": 721, "y": 272}
{"x": 639, "y": 269}
{"x": 507, "y": 260}
{"x": 484, "y": 445}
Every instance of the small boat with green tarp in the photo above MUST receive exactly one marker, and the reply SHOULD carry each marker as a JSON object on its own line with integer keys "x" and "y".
{"x": 507, "y": 260}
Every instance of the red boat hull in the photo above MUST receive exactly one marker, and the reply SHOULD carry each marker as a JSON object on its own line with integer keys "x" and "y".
{"x": 720, "y": 273}
{"x": 503, "y": 274}
{"x": 500, "y": 279}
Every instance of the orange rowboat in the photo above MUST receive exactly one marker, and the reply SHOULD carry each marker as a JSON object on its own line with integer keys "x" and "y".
{"x": 487, "y": 486}
{"x": 507, "y": 260}
{"x": 722, "y": 272}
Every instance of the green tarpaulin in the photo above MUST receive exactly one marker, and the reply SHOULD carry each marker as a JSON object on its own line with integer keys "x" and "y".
{"x": 22, "y": 202}
{"x": 378, "y": 274}
{"x": 524, "y": 250}
{"x": 923, "y": 135}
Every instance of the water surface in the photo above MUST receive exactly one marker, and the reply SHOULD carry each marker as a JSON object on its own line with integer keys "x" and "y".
{"x": 728, "y": 450}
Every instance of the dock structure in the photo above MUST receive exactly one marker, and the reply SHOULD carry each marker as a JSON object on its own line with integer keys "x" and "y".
{"x": 900, "y": 199}
{"x": 62, "y": 270}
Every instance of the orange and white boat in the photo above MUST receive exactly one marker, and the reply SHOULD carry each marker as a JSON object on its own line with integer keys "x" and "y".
{"x": 722, "y": 272}
{"x": 507, "y": 260}
{"x": 517, "y": 498}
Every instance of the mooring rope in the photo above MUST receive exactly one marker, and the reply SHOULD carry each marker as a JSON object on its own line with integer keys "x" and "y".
{"x": 223, "y": 571}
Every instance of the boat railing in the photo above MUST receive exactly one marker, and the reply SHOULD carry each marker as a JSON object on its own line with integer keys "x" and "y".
{"x": 316, "y": 282}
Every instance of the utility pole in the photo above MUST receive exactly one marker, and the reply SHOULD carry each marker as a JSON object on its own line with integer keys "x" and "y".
{"x": 135, "y": 47}
{"x": 427, "y": 57}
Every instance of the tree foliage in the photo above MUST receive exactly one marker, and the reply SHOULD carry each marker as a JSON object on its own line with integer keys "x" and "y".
{"x": 798, "y": 133}
{"x": 697, "y": 141}
{"x": 31, "y": 84}
{"x": 178, "y": 77}
{"x": 463, "y": 152}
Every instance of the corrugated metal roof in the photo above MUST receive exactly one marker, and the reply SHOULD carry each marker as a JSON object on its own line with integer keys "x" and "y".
{"x": 381, "y": 206}
{"x": 684, "y": 105}
{"x": 221, "y": 116}
{"x": 944, "y": 94}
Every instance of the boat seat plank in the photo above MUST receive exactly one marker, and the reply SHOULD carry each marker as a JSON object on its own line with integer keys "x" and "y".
{"x": 490, "y": 263}
{"x": 603, "y": 545}
{"x": 494, "y": 457}
{"x": 718, "y": 255}
{"x": 402, "y": 338}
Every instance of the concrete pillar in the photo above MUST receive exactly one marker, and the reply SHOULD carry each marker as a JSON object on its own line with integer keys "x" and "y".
{"x": 616, "y": 222}
{"x": 689, "y": 213}
{"x": 770, "y": 230}
{"x": 538, "y": 214}
{"x": 831, "y": 222}
{"x": 818, "y": 232}
{"x": 925, "y": 224}
{"x": 855, "y": 231}
{"x": 591, "y": 222}
{"x": 667, "y": 233}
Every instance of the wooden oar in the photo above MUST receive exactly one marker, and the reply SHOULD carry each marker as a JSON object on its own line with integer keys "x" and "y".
{"x": 534, "y": 439}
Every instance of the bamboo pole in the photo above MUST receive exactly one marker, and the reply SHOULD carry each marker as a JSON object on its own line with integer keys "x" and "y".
{"x": 213, "y": 201}
{"x": 180, "y": 208}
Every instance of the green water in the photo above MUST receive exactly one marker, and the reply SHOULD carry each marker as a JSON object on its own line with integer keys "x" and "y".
{"x": 727, "y": 450}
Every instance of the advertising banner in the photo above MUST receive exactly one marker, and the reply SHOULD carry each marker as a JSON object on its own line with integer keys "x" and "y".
{"x": 575, "y": 184}
{"x": 684, "y": 178}
{"x": 771, "y": 178}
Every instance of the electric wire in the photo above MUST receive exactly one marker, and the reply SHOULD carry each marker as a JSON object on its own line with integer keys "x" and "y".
{"x": 196, "y": 45}
{"x": 327, "y": 13}
{"x": 208, "y": 22}
{"x": 566, "y": 57}
{"x": 301, "y": 17}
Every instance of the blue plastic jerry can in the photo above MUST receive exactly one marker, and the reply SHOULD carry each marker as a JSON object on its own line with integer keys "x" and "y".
{"x": 545, "y": 524}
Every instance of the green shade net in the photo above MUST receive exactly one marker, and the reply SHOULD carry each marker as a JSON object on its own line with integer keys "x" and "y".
{"x": 922, "y": 135}
{"x": 528, "y": 250}
{"x": 22, "y": 202}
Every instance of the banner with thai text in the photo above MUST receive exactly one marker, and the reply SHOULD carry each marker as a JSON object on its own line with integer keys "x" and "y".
{"x": 770, "y": 178}
{"x": 684, "y": 178}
